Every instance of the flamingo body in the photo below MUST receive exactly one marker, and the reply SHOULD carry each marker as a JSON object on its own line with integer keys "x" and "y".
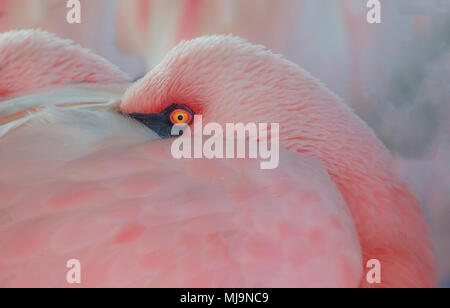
{"x": 81, "y": 180}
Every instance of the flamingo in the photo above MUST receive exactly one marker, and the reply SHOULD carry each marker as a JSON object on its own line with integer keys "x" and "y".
{"x": 83, "y": 178}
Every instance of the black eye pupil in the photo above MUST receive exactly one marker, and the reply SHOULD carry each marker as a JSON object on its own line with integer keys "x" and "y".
{"x": 180, "y": 118}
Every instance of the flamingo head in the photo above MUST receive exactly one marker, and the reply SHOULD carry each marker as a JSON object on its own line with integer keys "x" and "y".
{"x": 226, "y": 80}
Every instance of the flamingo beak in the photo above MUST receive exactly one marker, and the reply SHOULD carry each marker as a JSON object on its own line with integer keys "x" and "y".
{"x": 157, "y": 122}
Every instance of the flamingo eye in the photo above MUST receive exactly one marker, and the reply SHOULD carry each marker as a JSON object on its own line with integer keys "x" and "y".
{"x": 180, "y": 116}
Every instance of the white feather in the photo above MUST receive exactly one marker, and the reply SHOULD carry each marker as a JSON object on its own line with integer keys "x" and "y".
{"x": 75, "y": 130}
{"x": 61, "y": 95}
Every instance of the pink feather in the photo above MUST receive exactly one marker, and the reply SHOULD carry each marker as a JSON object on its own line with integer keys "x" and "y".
{"x": 91, "y": 184}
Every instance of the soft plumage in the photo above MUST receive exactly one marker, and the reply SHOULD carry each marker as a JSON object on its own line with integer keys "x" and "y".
{"x": 32, "y": 60}
{"x": 85, "y": 181}
{"x": 227, "y": 79}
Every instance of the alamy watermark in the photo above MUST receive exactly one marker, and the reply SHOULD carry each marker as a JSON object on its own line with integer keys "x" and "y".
{"x": 374, "y": 13}
{"x": 73, "y": 275}
{"x": 74, "y": 14}
{"x": 373, "y": 276}
{"x": 234, "y": 141}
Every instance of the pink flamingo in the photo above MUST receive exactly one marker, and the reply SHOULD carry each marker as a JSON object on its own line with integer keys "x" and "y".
{"x": 80, "y": 180}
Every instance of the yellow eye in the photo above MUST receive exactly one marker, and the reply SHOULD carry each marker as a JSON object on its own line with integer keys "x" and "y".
{"x": 180, "y": 116}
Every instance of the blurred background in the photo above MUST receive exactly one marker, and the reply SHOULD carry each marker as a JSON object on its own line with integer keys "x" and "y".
{"x": 395, "y": 75}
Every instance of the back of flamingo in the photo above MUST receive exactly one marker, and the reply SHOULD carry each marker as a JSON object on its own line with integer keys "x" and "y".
{"x": 228, "y": 80}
